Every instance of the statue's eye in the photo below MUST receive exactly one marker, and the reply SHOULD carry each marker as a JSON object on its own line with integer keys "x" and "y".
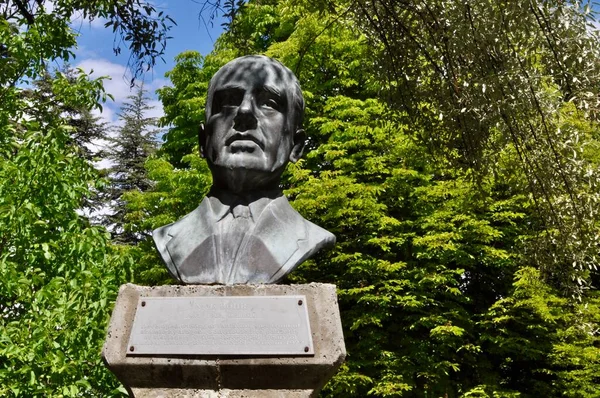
{"x": 270, "y": 99}
{"x": 226, "y": 98}
{"x": 272, "y": 103}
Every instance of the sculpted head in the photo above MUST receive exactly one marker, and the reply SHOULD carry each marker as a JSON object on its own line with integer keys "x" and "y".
{"x": 254, "y": 113}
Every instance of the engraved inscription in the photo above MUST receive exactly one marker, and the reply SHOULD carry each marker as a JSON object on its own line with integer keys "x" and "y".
{"x": 231, "y": 333}
{"x": 222, "y": 326}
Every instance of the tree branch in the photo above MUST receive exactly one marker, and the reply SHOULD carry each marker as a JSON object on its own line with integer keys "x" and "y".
{"x": 24, "y": 12}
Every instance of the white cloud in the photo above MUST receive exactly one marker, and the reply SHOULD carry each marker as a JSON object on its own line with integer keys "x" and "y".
{"x": 118, "y": 85}
{"x": 84, "y": 52}
{"x": 157, "y": 110}
{"x": 98, "y": 23}
{"x": 107, "y": 114}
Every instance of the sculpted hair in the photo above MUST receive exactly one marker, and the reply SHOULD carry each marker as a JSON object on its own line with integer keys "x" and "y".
{"x": 295, "y": 99}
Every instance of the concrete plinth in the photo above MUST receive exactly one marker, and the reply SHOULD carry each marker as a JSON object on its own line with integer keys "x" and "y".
{"x": 228, "y": 376}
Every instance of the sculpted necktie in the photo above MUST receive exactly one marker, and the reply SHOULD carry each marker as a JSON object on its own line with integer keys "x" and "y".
{"x": 241, "y": 210}
{"x": 234, "y": 228}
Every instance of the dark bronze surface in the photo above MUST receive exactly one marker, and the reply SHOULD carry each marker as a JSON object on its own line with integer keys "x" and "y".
{"x": 245, "y": 231}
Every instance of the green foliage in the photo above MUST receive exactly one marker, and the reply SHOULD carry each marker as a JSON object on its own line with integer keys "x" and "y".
{"x": 58, "y": 275}
{"x": 63, "y": 92}
{"x": 183, "y": 103}
{"x": 54, "y": 311}
{"x": 56, "y": 93}
{"x": 491, "y": 73}
{"x": 540, "y": 336}
{"x": 412, "y": 241}
{"x": 175, "y": 193}
{"x": 134, "y": 142}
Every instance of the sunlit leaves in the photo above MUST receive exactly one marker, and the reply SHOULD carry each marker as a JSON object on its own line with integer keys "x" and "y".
{"x": 495, "y": 73}
{"x": 53, "y": 309}
{"x": 58, "y": 275}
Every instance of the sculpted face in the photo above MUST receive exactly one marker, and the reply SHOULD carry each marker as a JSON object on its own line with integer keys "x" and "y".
{"x": 251, "y": 130}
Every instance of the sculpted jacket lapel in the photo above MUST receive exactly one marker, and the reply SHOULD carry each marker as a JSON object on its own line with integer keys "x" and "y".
{"x": 187, "y": 235}
{"x": 284, "y": 233}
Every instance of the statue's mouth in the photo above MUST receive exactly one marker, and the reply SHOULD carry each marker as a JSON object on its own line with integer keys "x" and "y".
{"x": 242, "y": 139}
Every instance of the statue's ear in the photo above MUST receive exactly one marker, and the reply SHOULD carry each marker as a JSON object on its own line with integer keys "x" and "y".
{"x": 298, "y": 148}
{"x": 201, "y": 138}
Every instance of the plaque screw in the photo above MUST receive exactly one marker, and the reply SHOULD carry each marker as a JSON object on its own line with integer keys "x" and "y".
{"x": 299, "y": 302}
{"x": 143, "y": 303}
{"x": 132, "y": 348}
{"x": 305, "y": 349}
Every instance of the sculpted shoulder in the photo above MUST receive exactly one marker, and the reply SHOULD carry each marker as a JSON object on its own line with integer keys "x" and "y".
{"x": 173, "y": 250}
{"x": 161, "y": 238}
{"x": 322, "y": 237}
{"x": 284, "y": 223}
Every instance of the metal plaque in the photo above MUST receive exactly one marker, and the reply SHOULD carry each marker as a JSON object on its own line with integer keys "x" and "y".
{"x": 265, "y": 325}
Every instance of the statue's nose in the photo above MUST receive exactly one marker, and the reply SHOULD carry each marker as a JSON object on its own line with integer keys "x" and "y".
{"x": 245, "y": 118}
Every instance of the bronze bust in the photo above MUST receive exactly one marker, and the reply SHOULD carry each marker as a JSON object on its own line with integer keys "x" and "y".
{"x": 245, "y": 231}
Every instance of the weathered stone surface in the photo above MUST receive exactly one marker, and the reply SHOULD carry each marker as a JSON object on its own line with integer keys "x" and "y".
{"x": 199, "y": 376}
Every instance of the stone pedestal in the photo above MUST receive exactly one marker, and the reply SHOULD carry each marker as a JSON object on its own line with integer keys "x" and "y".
{"x": 227, "y": 376}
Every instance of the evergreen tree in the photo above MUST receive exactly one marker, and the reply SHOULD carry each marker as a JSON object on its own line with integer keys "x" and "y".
{"x": 86, "y": 130}
{"x": 134, "y": 142}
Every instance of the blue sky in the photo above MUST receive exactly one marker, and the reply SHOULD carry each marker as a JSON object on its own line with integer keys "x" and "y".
{"x": 95, "y": 52}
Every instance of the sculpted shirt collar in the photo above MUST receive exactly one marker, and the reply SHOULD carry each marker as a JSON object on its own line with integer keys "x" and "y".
{"x": 223, "y": 202}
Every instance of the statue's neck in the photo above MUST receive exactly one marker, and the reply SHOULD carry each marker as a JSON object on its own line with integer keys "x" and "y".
{"x": 241, "y": 181}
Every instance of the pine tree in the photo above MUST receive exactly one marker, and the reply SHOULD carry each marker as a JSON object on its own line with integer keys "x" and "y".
{"x": 129, "y": 149}
{"x": 86, "y": 130}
